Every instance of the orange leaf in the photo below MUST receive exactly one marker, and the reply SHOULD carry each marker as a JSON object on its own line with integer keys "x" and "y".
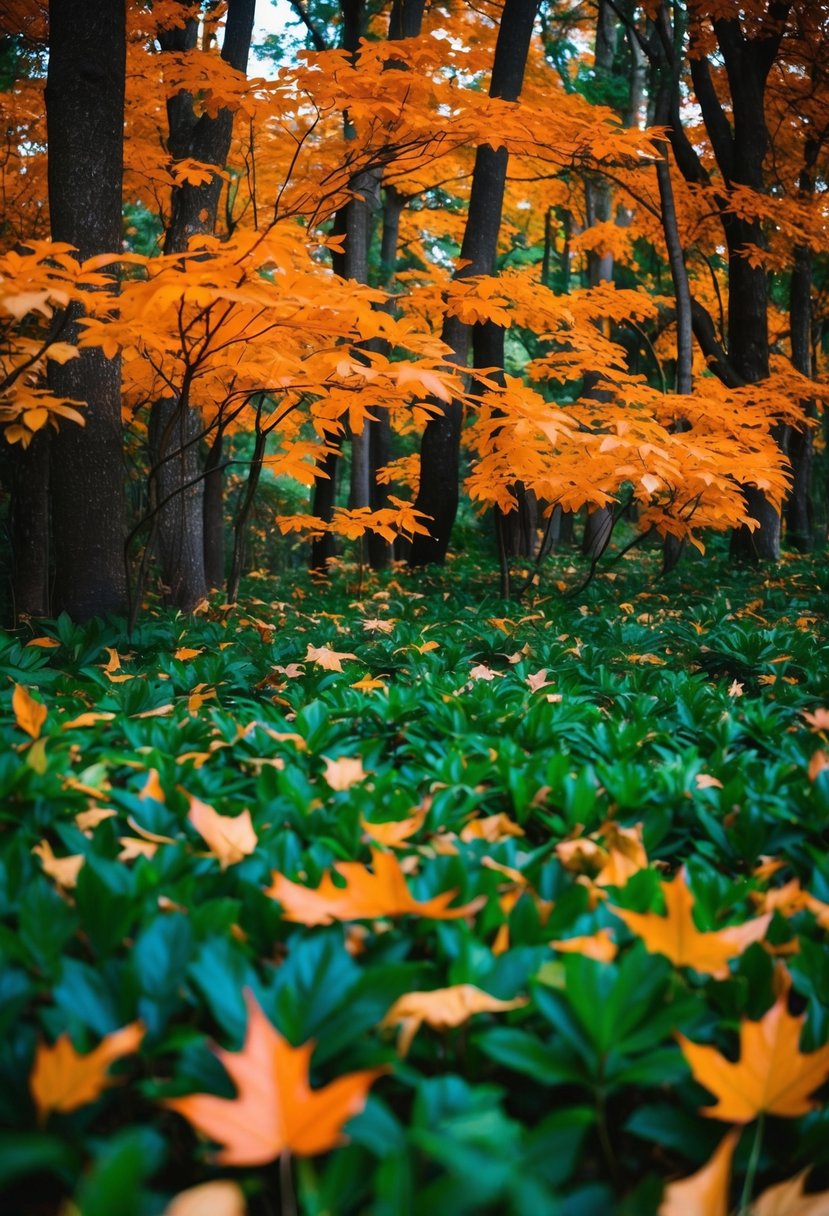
{"x": 186, "y": 652}
{"x": 787, "y": 1199}
{"x": 230, "y": 838}
{"x": 394, "y": 833}
{"x": 442, "y": 1008}
{"x": 344, "y": 772}
{"x": 491, "y": 828}
{"x": 818, "y": 762}
{"x": 152, "y": 787}
{"x": 63, "y": 1080}
{"x": 677, "y": 937}
{"x": 819, "y": 720}
{"x": 771, "y": 1075}
{"x": 704, "y": 1193}
{"x": 599, "y": 946}
{"x": 366, "y": 895}
{"x": 29, "y": 713}
{"x": 64, "y": 870}
{"x": 220, "y": 1198}
{"x": 325, "y": 657}
{"x": 275, "y": 1108}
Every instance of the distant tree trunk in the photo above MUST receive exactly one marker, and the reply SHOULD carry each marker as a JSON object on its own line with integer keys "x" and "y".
{"x": 440, "y": 446}
{"x": 28, "y": 526}
{"x": 598, "y": 193}
{"x": 177, "y": 463}
{"x": 85, "y": 131}
{"x": 799, "y": 513}
{"x": 213, "y": 511}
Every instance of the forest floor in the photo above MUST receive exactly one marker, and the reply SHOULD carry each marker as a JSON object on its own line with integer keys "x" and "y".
{"x": 507, "y": 866}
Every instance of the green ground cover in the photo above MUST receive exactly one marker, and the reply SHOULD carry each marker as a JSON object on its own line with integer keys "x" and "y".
{"x": 559, "y": 765}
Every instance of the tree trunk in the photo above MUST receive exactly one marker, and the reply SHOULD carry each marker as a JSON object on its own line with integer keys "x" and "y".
{"x": 176, "y": 424}
{"x": 799, "y": 512}
{"x": 440, "y": 446}
{"x": 85, "y": 131}
{"x": 213, "y": 511}
{"x": 29, "y": 526}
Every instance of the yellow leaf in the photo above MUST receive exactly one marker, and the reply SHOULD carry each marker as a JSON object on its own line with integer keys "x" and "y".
{"x": 88, "y": 719}
{"x": 599, "y": 946}
{"x": 275, "y": 1110}
{"x": 29, "y": 713}
{"x": 230, "y": 838}
{"x": 45, "y": 643}
{"x": 491, "y": 828}
{"x": 441, "y": 1009}
{"x": 788, "y": 1199}
{"x": 63, "y": 1080}
{"x": 152, "y": 787}
{"x": 186, "y": 652}
{"x": 325, "y": 657}
{"x": 398, "y": 831}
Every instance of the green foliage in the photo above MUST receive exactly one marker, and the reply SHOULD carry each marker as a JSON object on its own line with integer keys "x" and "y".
{"x": 668, "y": 707}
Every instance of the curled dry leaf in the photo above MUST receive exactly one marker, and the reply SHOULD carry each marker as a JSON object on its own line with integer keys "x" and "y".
{"x": 441, "y": 1008}
{"x": 62, "y": 1079}
{"x": 275, "y": 1108}
{"x": 788, "y": 1199}
{"x": 365, "y": 896}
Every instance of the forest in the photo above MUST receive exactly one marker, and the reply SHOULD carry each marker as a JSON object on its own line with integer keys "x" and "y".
{"x": 414, "y": 660}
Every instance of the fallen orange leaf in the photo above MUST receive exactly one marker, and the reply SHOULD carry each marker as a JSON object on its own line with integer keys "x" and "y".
{"x": 64, "y": 870}
{"x": 599, "y": 946}
{"x": 441, "y": 1008}
{"x": 396, "y": 832}
{"x": 704, "y": 1193}
{"x": 819, "y": 720}
{"x": 818, "y": 762}
{"x": 366, "y": 895}
{"x": 772, "y": 1074}
{"x": 344, "y": 772}
{"x": 186, "y": 652}
{"x": 676, "y": 936}
{"x": 491, "y": 828}
{"x": 275, "y": 1108}
{"x": 230, "y": 838}
{"x": 325, "y": 657}
{"x": 220, "y": 1198}
{"x": 787, "y": 1199}
{"x": 28, "y": 713}
{"x": 63, "y": 1080}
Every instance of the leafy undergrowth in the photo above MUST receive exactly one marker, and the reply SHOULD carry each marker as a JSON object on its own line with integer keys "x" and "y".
{"x": 534, "y": 898}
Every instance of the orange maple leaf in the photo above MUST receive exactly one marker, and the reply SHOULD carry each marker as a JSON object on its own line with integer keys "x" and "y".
{"x": 788, "y": 1199}
{"x": 275, "y": 1108}
{"x": 366, "y": 895}
{"x": 345, "y": 771}
{"x": 676, "y": 936}
{"x": 772, "y": 1075}
{"x": 63, "y": 1080}
{"x": 325, "y": 657}
{"x": 29, "y": 714}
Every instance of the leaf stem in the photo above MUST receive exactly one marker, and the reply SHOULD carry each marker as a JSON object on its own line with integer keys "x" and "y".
{"x": 287, "y": 1194}
{"x": 753, "y": 1162}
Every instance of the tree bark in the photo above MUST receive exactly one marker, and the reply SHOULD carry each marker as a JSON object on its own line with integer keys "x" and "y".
{"x": 187, "y": 569}
{"x": 85, "y": 131}
{"x": 28, "y": 526}
{"x": 798, "y": 510}
{"x": 440, "y": 446}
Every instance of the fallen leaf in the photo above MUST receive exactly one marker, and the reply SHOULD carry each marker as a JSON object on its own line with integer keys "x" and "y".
{"x": 538, "y": 680}
{"x": 491, "y": 828}
{"x": 396, "y": 832}
{"x": 230, "y": 838}
{"x": 676, "y": 936}
{"x": 62, "y": 1079}
{"x": 818, "y": 762}
{"x": 88, "y": 719}
{"x": 152, "y": 787}
{"x": 772, "y": 1075}
{"x": 28, "y": 713}
{"x": 704, "y": 1193}
{"x": 325, "y": 657}
{"x": 220, "y": 1198}
{"x": 788, "y": 1199}
{"x": 64, "y": 870}
{"x": 275, "y": 1109}
{"x": 441, "y": 1009}
{"x": 114, "y": 663}
{"x": 344, "y": 772}
{"x": 87, "y": 821}
{"x": 819, "y": 720}
{"x": 704, "y": 781}
{"x": 599, "y": 946}
{"x": 368, "y": 684}
{"x": 365, "y": 896}
{"x": 45, "y": 643}
{"x": 186, "y": 652}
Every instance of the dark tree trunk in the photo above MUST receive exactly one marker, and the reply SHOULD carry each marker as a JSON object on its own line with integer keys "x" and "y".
{"x": 29, "y": 526}
{"x": 176, "y": 457}
{"x": 213, "y": 509}
{"x": 799, "y": 511}
{"x": 323, "y": 548}
{"x": 440, "y": 446}
{"x": 85, "y": 130}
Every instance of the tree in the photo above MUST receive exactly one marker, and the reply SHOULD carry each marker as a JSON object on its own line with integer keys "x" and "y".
{"x": 85, "y": 120}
